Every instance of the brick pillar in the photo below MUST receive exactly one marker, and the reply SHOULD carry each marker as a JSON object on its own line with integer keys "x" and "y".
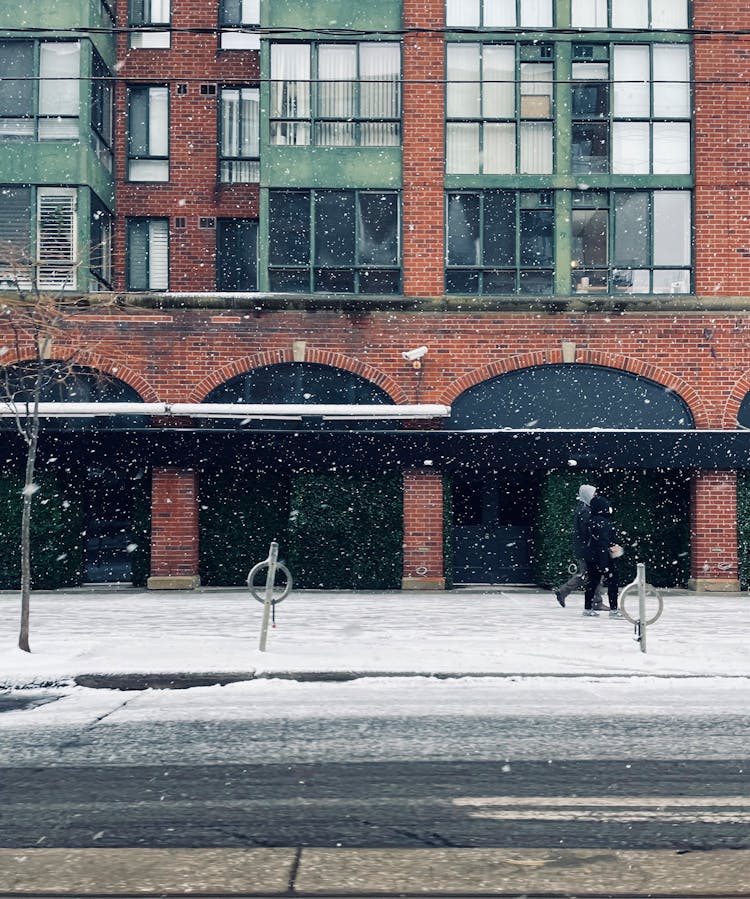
{"x": 713, "y": 532}
{"x": 174, "y": 529}
{"x": 423, "y": 530}
{"x": 423, "y": 153}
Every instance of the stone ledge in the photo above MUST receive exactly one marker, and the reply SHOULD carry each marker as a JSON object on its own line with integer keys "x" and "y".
{"x": 423, "y": 583}
{"x": 178, "y": 582}
{"x": 713, "y": 585}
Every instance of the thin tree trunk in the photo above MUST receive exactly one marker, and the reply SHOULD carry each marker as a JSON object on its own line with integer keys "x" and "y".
{"x": 28, "y": 495}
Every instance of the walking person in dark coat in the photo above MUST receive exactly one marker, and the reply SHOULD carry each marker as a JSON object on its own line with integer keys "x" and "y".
{"x": 579, "y": 543}
{"x": 601, "y": 557}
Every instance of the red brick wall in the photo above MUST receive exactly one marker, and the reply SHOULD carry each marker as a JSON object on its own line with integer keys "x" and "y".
{"x": 722, "y": 148}
{"x": 424, "y": 90}
{"x": 423, "y": 528}
{"x": 713, "y": 526}
{"x": 192, "y": 190}
{"x": 174, "y": 523}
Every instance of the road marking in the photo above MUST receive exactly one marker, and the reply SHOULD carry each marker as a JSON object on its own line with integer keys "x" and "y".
{"x": 610, "y": 801}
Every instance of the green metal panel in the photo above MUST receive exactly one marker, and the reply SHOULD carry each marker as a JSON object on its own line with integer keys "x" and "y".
{"x": 384, "y": 15}
{"x": 331, "y": 167}
{"x": 52, "y": 16}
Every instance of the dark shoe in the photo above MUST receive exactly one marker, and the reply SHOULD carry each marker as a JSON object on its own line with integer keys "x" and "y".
{"x": 560, "y": 598}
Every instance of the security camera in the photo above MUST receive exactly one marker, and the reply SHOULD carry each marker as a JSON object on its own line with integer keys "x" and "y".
{"x": 414, "y": 355}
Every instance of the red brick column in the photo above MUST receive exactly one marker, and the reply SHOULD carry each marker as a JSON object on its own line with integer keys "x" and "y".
{"x": 423, "y": 530}
{"x": 713, "y": 531}
{"x": 423, "y": 165}
{"x": 174, "y": 529}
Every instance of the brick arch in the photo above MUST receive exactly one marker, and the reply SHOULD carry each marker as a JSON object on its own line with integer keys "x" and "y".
{"x": 276, "y": 357}
{"x": 733, "y": 403}
{"x": 583, "y": 357}
{"x": 99, "y": 363}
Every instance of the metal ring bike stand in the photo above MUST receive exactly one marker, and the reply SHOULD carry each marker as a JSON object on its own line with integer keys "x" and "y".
{"x": 269, "y": 599}
{"x": 641, "y": 623}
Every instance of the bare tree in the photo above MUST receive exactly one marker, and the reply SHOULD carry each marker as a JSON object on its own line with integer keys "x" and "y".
{"x": 37, "y": 306}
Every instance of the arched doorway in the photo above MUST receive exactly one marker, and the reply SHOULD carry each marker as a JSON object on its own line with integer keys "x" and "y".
{"x": 494, "y": 510}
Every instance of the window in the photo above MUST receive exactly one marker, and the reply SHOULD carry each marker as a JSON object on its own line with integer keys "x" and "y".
{"x": 101, "y": 110}
{"x": 15, "y": 232}
{"x": 631, "y": 241}
{"x": 336, "y": 95}
{"x": 238, "y": 23}
{"x": 100, "y": 258}
{"x": 498, "y": 13}
{"x": 39, "y": 90}
{"x": 56, "y": 238}
{"x": 148, "y": 134}
{"x": 147, "y": 254}
{"x": 334, "y": 241}
{"x": 666, "y": 14}
{"x": 237, "y": 255}
{"x": 239, "y": 156}
{"x": 496, "y": 126}
{"x": 500, "y": 242}
{"x": 153, "y": 17}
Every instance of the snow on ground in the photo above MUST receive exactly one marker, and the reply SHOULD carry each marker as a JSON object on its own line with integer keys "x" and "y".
{"x": 453, "y": 633}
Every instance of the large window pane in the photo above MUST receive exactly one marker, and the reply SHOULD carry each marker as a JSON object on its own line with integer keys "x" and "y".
{"x": 632, "y": 234}
{"x": 462, "y": 13}
{"x": 236, "y": 254}
{"x": 15, "y": 230}
{"x": 631, "y": 82}
{"x": 536, "y": 237}
{"x": 672, "y": 228}
{"x": 499, "y": 227}
{"x": 536, "y": 13}
{"x": 498, "y": 87}
{"x": 590, "y": 147}
{"x": 16, "y": 78}
{"x": 463, "y": 100}
{"x": 462, "y": 148}
{"x": 629, "y": 13}
{"x": 671, "y": 81}
{"x": 630, "y": 148}
{"x": 589, "y": 230}
{"x": 499, "y": 152}
{"x": 380, "y": 73}
{"x": 337, "y": 71}
{"x": 463, "y": 229}
{"x": 290, "y": 81}
{"x": 334, "y": 227}
{"x": 669, "y": 14}
{"x": 588, "y": 13}
{"x": 671, "y": 148}
{"x": 289, "y": 226}
{"x": 536, "y": 148}
{"x": 499, "y": 13}
{"x": 59, "y": 69}
{"x": 377, "y": 236}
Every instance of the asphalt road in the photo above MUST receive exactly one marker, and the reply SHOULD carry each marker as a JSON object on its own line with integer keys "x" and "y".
{"x": 621, "y": 781}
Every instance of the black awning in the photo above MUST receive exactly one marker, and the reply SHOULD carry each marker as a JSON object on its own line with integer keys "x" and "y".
{"x": 394, "y": 450}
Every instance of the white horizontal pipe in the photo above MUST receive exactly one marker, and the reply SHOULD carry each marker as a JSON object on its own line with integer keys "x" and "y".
{"x": 229, "y": 410}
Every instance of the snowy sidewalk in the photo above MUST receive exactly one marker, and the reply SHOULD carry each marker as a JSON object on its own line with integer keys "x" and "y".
{"x": 338, "y": 635}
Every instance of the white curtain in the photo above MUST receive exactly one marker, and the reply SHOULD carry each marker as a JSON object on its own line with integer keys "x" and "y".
{"x": 240, "y": 134}
{"x": 631, "y": 73}
{"x": 499, "y": 13}
{"x": 536, "y": 148}
{"x": 462, "y": 148}
{"x": 671, "y": 148}
{"x": 463, "y": 100}
{"x": 462, "y": 13}
{"x": 59, "y": 95}
{"x": 158, "y": 254}
{"x": 380, "y": 94}
{"x": 671, "y": 81}
{"x": 588, "y": 14}
{"x": 668, "y": 14}
{"x": 630, "y": 13}
{"x": 499, "y": 152}
{"x": 498, "y": 81}
{"x": 159, "y": 12}
{"x": 630, "y": 148}
{"x": 158, "y": 121}
{"x": 290, "y": 81}
{"x": 536, "y": 13}
{"x": 337, "y": 73}
{"x": 672, "y": 227}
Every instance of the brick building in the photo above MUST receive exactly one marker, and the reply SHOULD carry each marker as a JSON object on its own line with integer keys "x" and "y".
{"x": 549, "y": 195}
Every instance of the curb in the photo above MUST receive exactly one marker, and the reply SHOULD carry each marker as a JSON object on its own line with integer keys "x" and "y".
{"x": 184, "y": 681}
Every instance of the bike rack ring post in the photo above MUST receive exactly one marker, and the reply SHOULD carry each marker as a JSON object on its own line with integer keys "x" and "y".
{"x": 269, "y": 599}
{"x": 641, "y": 623}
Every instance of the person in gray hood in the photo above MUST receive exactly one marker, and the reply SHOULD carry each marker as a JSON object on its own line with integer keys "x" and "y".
{"x": 580, "y": 541}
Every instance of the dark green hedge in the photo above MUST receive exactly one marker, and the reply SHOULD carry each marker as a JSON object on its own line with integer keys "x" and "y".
{"x": 743, "y": 527}
{"x": 56, "y": 544}
{"x": 651, "y": 512}
{"x": 335, "y": 531}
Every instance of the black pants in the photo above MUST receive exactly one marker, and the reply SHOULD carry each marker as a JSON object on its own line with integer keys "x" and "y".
{"x": 607, "y": 576}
